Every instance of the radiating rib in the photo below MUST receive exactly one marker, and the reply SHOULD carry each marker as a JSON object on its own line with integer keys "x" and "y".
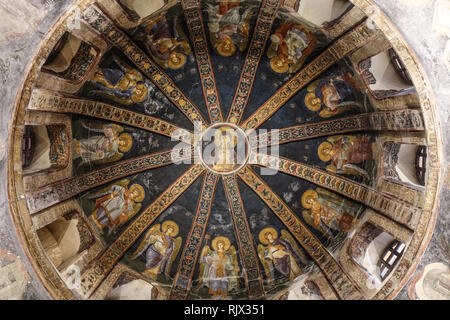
{"x": 393, "y": 208}
{"x": 353, "y": 40}
{"x": 249, "y": 257}
{"x": 183, "y": 280}
{"x": 332, "y": 270}
{"x": 68, "y": 188}
{"x": 405, "y": 120}
{"x": 194, "y": 20}
{"x": 102, "y": 24}
{"x": 42, "y": 100}
{"x": 264, "y": 23}
{"x": 100, "y": 268}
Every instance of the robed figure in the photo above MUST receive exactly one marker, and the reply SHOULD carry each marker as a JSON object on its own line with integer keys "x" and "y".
{"x": 281, "y": 257}
{"x": 345, "y": 152}
{"x": 120, "y": 83}
{"x": 291, "y": 45}
{"x": 332, "y": 95}
{"x": 167, "y": 45}
{"x": 108, "y": 144}
{"x": 327, "y": 211}
{"x": 117, "y": 204}
{"x": 219, "y": 268}
{"x": 229, "y": 26}
{"x": 159, "y": 247}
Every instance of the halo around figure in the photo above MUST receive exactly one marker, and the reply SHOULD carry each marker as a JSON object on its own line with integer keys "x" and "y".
{"x": 279, "y": 65}
{"x": 324, "y": 151}
{"x": 140, "y": 93}
{"x": 264, "y": 232}
{"x": 224, "y": 240}
{"x": 307, "y": 197}
{"x": 312, "y": 102}
{"x": 226, "y": 47}
{"x": 125, "y": 142}
{"x": 170, "y": 223}
{"x": 140, "y": 190}
{"x": 177, "y": 60}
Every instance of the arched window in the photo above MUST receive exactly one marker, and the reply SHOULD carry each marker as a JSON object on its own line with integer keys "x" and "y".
{"x": 405, "y": 163}
{"x": 71, "y": 59}
{"x": 27, "y": 146}
{"x": 399, "y": 66}
{"x": 66, "y": 238}
{"x": 385, "y": 76}
{"x": 390, "y": 258}
{"x": 421, "y": 160}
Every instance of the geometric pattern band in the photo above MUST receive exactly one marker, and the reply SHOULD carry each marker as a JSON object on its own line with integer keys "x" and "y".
{"x": 47, "y": 101}
{"x": 183, "y": 280}
{"x": 353, "y": 40}
{"x": 332, "y": 270}
{"x": 196, "y": 27}
{"x": 68, "y": 188}
{"x": 261, "y": 33}
{"x": 404, "y": 120}
{"x": 249, "y": 257}
{"x": 100, "y": 268}
{"x": 393, "y": 208}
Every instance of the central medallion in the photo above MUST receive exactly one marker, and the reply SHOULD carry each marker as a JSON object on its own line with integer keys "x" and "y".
{"x": 224, "y": 148}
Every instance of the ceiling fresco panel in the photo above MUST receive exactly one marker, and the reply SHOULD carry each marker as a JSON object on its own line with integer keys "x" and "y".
{"x": 350, "y": 155}
{"x": 293, "y": 43}
{"x": 228, "y": 29}
{"x": 88, "y": 135}
{"x": 167, "y": 41}
{"x": 220, "y": 227}
{"x": 106, "y": 211}
{"x": 156, "y": 253}
{"x": 331, "y": 228}
{"x": 118, "y": 82}
{"x": 296, "y": 261}
{"x": 333, "y": 95}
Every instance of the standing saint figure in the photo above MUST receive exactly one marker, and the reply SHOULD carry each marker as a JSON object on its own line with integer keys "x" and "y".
{"x": 219, "y": 267}
{"x": 345, "y": 152}
{"x": 281, "y": 257}
{"x": 108, "y": 147}
{"x": 160, "y": 247}
{"x": 225, "y": 140}
{"x": 117, "y": 204}
{"x": 326, "y": 210}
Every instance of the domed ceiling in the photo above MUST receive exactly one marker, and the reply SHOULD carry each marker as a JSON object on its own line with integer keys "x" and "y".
{"x": 223, "y": 150}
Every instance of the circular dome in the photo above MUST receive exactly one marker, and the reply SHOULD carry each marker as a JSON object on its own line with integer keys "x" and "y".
{"x": 224, "y": 149}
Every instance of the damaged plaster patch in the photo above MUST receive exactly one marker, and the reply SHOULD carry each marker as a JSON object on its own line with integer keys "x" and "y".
{"x": 19, "y": 19}
{"x": 13, "y": 276}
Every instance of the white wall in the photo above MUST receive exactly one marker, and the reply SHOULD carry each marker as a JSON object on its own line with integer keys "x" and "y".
{"x": 144, "y": 8}
{"x": 385, "y": 74}
{"x": 320, "y": 11}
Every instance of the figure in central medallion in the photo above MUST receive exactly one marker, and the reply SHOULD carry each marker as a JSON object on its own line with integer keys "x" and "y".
{"x": 224, "y": 148}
